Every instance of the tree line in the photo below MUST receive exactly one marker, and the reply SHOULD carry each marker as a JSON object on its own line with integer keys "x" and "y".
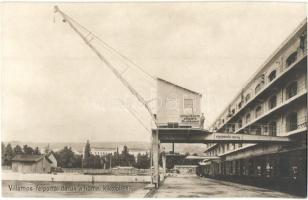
{"x": 67, "y": 158}
{"x": 8, "y": 152}
{"x": 110, "y": 160}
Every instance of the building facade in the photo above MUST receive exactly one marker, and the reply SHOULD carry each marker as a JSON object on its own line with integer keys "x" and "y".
{"x": 273, "y": 102}
{"x": 34, "y": 163}
{"x": 100, "y": 151}
{"x": 177, "y": 106}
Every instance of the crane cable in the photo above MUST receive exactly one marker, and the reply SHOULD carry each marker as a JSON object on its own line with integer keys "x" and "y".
{"x": 111, "y": 49}
{"x": 135, "y": 116}
{"x": 109, "y": 65}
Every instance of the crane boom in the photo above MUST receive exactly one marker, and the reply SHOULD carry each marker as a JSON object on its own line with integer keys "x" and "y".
{"x": 108, "y": 64}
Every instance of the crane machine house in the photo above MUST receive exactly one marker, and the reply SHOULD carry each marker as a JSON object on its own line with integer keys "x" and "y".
{"x": 177, "y": 107}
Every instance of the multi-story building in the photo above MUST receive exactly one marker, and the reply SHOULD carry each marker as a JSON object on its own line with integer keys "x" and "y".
{"x": 273, "y": 102}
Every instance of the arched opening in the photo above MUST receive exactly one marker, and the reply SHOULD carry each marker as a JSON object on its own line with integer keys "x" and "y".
{"x": 291, "y": 90}
{"x": 291, "y": 59}
{"x": 303, "y": 41}
{"x": 258, "y": 88}
{"x": 240, "y": 124}
{"x": 247, "y": 118}
{"x": 292, "y": 121}
{"x": 240, "y": 105}
{"x": 247, "y": 97}
{"x": 272, "y": 75}
{"x": 258, "y": 111}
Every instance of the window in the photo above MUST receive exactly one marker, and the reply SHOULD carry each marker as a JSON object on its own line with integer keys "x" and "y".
{"x": 265, "y": 129}
{"x": 258, "y": 111}
{"x": 303, "y": 41}
{"x": 292, "y": 90}
{"x": 247, "y": 97}
{"x": 171, "y": 103}
{"x": 232, "y": 128}
{"x": 292, "y": 121}
{"x": 272, "y": 102}
{"x": 272, "y": 75}
{"x": 258, "y": 88}
{"x": 240, "y": 105}
{"x": 247, "y": 118}
{"x": 291, "y": 59}
{"x": 258, "y": 130}
{"x": 272, "y": 129}
{"x": 240, "y": 123}
{"x": 188, "y": 106}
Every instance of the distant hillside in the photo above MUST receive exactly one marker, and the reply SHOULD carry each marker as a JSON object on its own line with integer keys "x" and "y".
{"x": 79, "y": 145}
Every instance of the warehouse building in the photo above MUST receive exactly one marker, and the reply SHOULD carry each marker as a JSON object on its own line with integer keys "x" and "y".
{"x": 273, "y": 102}
{"x": 34, "y": 163}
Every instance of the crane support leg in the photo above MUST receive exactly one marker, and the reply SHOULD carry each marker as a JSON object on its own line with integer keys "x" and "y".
{"x": 155, "y": 147}
{"x": 164, "y": 160}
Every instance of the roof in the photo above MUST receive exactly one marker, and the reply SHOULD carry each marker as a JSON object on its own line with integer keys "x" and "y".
{"x": 163, "y": 80}
{"x": 27, "y": 158}
{"x": 47, "y": 156}
{"x": 30, "y": 158}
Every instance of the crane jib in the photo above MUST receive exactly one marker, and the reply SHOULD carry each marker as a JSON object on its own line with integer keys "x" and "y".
{"x": 105, "y": 61}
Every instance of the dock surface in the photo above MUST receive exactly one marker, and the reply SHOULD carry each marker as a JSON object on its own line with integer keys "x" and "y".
{"x": 193, "y": 186}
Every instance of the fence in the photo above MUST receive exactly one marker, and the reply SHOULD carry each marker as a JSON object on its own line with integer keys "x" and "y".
{"x": 113, "y": 171}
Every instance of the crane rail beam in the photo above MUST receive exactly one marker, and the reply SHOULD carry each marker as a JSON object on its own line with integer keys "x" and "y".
{"x": 188, "y": 135}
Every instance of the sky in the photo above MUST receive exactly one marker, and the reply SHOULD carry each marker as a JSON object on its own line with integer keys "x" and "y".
{"x": 55, "y": 89}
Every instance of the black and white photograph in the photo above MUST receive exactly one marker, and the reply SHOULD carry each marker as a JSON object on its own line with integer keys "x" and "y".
{"x": 157, "y": 99}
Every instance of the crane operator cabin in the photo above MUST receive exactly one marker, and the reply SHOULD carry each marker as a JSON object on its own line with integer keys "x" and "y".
{"x": 177, "y": 107}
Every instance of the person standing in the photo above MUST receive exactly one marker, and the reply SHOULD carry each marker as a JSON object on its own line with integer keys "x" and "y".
{"x": 202, "y": 118}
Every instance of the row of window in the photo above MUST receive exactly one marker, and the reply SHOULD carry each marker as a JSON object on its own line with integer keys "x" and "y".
{"x": 273, "y": 74}
{"x": 270, "y": 128}
{"x": 292, "y": 122}
{"x": 291, "y": 91}
{"x": 188, "y": 104}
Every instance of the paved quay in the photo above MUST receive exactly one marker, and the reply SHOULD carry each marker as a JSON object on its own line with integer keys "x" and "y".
{"x": 193, "y": 186}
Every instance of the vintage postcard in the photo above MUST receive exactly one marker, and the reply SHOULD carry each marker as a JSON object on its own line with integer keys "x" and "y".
{"x": 154, "y": 99}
